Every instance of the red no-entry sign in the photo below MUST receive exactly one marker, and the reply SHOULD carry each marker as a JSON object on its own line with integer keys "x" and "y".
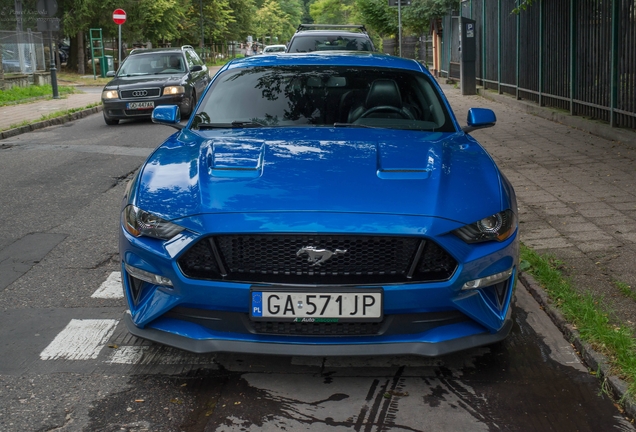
{"x": 119, "y": 16}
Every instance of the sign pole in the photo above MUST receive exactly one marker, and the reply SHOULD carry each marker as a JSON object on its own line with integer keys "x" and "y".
{"x": 119, "y": 50}
{"x": 119, "y": 17}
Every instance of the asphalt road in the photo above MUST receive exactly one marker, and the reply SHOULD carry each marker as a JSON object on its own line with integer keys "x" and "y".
{"x": 68, "y": 364}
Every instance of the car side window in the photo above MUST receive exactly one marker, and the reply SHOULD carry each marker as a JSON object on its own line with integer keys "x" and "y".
{"x": 192, "y": 58}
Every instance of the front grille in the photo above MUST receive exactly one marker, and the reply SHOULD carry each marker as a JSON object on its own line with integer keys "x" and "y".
{"x": 284, "y": 258}
{"x": 138, "y": 93}
{"x": 141, "y": 113}
{"x": 316, "y": 329}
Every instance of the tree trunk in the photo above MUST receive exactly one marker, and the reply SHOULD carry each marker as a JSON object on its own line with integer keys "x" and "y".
{"x": 71, "y": 63}
{"x": 81, "y": 58}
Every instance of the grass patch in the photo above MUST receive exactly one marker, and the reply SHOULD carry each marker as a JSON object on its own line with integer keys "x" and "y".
{"x": 50, "y": 116}
{"x": 588, "y": 314}
{"x": 27, "y": 94}
{"x": 625, "y": 289}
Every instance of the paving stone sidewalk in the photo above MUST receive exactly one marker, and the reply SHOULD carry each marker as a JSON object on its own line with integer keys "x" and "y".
{"x": 33, "y": 111}
{"x": 576, "y": 193}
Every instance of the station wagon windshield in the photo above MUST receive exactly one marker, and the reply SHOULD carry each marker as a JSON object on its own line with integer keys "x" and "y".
{"x": 151, "y": 64}
{"x": 324, "y": 96}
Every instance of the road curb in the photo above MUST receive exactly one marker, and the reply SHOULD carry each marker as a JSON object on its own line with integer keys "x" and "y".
{"x": 50, "y": 122}
{"x": 592, "y": 359}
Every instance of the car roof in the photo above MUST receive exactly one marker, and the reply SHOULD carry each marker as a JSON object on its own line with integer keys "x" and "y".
{"x": 348, "y": 28}
{"x": 331, "y": 32}
{"x": 328, "y": 58}
{"x": 175, "y": 50}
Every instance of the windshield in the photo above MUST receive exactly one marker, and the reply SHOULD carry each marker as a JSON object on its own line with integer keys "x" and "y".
{"x": 311, "y": 42}
{"x": 323, "y": 96}
{"x": 153, "y": 63}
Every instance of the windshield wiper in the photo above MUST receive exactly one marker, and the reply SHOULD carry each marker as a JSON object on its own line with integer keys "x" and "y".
{"x": 234, "y": 124}
{"x": 355, "y": 125}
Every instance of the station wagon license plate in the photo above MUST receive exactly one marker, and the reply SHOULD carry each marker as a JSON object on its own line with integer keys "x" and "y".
{"x": 321, "y": 306}
{"x": 140, "y": 105}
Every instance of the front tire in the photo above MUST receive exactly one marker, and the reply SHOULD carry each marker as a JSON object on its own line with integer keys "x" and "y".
{"x": 110, "y": 121}
{"x": 188, "y": 107}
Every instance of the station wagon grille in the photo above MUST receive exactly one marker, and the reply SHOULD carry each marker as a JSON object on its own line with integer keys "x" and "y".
{"x": 140, "y": 93}
{"x": 278, "y": 258}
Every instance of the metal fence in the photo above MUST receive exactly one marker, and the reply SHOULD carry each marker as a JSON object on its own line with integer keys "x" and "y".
{"x": 413, "y": 47}
{"x": 576, "y": 55}
{"x": 22, "y": 52}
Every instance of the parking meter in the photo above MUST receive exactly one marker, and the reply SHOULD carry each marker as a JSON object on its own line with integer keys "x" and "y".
{"x": 468, "y": 47}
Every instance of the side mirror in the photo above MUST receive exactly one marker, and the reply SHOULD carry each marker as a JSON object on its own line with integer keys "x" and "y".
{"x": 479, "y": 118}
{"x": 168, "y": 115}
{"x": 196, "y": 68}
{"x": 110, "y": 74}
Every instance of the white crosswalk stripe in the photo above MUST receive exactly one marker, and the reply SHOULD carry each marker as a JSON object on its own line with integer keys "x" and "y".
{"x": 85, "y": 339}
{"x": 80, "y": 340}
{"x": 111, "y": 288}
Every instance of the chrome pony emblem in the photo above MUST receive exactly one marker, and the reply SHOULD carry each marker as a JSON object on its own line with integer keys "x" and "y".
{"x": 318, "y": 256}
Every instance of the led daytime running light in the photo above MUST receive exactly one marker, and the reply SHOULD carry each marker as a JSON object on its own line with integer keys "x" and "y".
{"x": 145, "y": 276}
{"x": 488, "y": 280}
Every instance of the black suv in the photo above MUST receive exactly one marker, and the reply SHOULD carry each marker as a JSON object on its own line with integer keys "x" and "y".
{"x": 153, "y": 77}
{"x": 330, "y": 37}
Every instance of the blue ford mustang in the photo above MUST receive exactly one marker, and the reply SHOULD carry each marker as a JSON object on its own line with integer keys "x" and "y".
{"x": 320, "y": 204}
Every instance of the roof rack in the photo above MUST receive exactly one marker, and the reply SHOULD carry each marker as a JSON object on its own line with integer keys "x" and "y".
{"x": 186, "y": 47}
{"x": 331, "y": 26}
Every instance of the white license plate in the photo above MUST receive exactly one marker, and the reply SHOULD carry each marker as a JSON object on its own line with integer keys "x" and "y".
{"x": 317, "y": 306}
{"x": 140, "y": 105}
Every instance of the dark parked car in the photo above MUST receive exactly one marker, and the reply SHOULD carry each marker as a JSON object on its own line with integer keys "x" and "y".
{"x": 152, "y": 77}
{"x": 327, "y": 37}
{"x": 320, "y": 204}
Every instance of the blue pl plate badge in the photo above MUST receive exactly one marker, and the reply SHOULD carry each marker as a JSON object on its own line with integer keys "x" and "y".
{"x": 257, "y": 304}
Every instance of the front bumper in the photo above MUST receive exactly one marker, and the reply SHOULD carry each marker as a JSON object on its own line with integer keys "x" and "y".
{"x": 116, "y": 109}
{"x": 422, "y": 348}
{"x": 157, "y": 312}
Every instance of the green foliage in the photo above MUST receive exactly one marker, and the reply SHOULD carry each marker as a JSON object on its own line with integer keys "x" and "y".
{"x": 378, "y": 16}
{"x": 416, "y": 18}
{"x": 523, "y": 5}
{"x": 271, "y": 22}
{"x": 26, "y": 94}
{"x": 243, "y": 12}
{"x": 331, "y": 11}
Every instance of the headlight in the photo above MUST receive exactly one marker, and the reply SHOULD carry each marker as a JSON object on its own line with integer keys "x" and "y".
{"x": 110, "y": 94}
{"x": 497, "y": 227}
{"x": 173, "y": 90}
{"x": 141, "y": 223}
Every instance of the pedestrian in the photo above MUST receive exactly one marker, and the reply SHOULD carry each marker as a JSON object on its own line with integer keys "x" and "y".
{"x": 255, "y": 48}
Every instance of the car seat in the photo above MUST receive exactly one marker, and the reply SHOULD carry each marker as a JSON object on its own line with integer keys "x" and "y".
{"x": 383, "y": 101}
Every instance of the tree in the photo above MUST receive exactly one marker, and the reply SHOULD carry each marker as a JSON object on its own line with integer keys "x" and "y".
{"x": 331, "y": 11}
{"x": 270, "y": 21}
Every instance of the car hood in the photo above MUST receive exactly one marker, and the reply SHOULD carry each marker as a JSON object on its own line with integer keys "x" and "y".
{"x": 142, "y": 81}
{"x": 332, "y": 170}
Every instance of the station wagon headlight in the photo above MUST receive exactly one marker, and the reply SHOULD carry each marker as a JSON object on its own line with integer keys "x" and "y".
{"x": 498, "y": 227}
{"x": 110, "y": 94}
{"x": 139, "y": 223}
{"x": 173, "y": 90}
